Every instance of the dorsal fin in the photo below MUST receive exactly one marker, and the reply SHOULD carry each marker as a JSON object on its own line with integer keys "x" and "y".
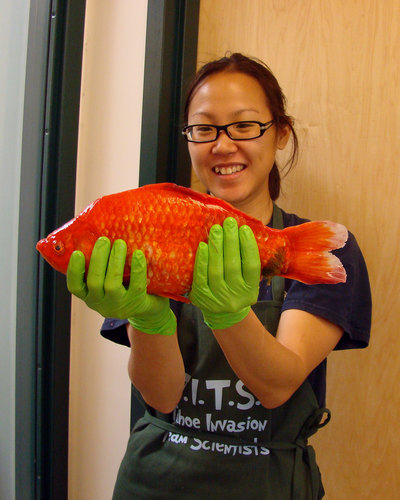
{"x": 201, "y": 197}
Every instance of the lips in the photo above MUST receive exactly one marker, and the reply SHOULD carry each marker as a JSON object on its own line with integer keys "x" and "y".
{"x": 228, "y": 169}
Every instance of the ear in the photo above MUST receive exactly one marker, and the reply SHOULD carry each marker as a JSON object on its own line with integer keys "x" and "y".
{"x": 283, "y": 135}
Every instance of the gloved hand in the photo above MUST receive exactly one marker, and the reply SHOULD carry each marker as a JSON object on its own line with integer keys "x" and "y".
{"x": 104, "y": 291}
{"x": 226, "y": 275}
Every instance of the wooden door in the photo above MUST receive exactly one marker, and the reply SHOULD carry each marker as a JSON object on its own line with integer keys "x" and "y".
{"x": 338, "y": 64}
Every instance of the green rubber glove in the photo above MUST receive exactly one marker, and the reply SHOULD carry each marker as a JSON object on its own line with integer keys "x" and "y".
{"x": 104, "y": 291}
{"x": 226, "y": 275}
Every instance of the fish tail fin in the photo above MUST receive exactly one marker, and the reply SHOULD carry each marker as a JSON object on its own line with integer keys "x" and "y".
{"x": 310, "y": 259}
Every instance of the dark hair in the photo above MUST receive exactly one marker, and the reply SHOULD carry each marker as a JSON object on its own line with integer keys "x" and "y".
{"x": 275, "y": 97}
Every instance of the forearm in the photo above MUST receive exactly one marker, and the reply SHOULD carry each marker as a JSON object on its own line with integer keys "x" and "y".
{"x": 156, "y": 369}
{"x": 266, "y": 367}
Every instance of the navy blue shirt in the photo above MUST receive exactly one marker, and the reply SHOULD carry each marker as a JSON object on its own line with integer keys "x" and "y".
{"x": 347, "y": 305}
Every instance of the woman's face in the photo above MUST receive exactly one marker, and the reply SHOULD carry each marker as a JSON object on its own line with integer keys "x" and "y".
{"x": 236, "y": 171}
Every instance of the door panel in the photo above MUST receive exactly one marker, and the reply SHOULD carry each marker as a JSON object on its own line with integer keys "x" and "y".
{"x": 337, "y": 62}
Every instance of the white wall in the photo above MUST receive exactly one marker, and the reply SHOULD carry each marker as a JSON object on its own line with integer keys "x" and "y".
{"x": 108, "y": 161}
{"x": 13, "y": 46}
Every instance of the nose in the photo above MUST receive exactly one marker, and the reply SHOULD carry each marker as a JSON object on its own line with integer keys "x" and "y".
{"x": 224, "y": 144}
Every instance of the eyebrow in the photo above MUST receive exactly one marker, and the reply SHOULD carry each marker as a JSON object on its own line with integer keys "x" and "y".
{"x": 235, "y": 113}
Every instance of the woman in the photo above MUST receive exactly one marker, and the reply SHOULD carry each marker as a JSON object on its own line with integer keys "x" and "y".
{"x": 232, "y": 392}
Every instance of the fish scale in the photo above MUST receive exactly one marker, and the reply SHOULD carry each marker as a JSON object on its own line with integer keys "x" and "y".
{"x": 167, "y": 222}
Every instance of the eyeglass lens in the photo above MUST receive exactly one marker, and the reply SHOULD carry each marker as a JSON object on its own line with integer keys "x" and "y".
{"x": 240, "y": 130}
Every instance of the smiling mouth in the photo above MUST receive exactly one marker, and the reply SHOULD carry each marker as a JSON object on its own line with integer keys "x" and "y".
{"x": 232, "y": 169}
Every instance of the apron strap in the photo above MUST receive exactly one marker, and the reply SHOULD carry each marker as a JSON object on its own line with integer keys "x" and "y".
{"x": 308, "y": 454}
{"x": 277, "y": 217}
{"x": 304, "y": 451}
{"x": 278, "y": 282}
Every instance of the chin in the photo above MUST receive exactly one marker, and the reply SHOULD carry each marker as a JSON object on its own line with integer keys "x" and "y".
{"x": 231, "y": 195}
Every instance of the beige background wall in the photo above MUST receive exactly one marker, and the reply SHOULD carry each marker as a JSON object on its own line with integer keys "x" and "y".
{"x": 338, "y": 64}
{"x": 108, "y": 161}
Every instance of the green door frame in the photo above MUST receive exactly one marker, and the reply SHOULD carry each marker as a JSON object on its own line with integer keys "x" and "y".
{"x": 48, "y": 170}
{"x": 170, "y": 64}
{"x": 48, "y": 173}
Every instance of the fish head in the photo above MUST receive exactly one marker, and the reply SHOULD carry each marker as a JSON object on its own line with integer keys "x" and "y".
{"x": 58, "y": 246}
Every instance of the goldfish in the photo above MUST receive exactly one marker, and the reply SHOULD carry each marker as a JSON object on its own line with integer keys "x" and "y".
{"x": 167, "y": 222}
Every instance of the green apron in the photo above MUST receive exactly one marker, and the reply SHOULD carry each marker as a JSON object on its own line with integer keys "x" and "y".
{"x": 220, "y": 442}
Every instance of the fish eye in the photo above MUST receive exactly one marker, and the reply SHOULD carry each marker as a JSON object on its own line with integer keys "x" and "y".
{"x": 58, "y": 247}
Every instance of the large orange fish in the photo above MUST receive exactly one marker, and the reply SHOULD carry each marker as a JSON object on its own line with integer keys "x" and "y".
{"x": 168, "y": 222}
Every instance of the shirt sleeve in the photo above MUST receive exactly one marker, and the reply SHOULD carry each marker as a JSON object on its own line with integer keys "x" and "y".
{"x": 115, "y": 330}
{"x": 347, "y": 305}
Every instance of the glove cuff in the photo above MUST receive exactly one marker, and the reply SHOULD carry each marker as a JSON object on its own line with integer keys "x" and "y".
{"x": 225, "y": 320}
{"x": 162, "y": 324}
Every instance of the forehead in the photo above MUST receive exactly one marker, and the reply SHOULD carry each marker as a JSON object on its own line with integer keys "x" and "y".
{"x": 228, "y": 92}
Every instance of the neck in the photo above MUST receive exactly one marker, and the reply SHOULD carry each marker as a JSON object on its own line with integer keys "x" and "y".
{"x": 261, "y": 212}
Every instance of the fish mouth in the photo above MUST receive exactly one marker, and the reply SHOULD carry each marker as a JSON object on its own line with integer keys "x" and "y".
{"x": 40, "y": 245}
{"x": 228, "y": 169}
{"x": 42, "y": 248}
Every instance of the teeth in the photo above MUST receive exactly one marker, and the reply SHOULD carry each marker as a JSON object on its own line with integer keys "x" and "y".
{"x": 228, "y": 170}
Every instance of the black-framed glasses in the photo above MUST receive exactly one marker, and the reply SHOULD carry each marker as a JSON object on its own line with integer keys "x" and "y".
{"x": 237, "y": 131}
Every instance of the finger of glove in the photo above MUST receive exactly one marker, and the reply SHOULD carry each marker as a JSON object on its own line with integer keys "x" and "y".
{"x": 138, "y": 278}
{"x": 97, "y": 268}
{"x": 76, "y": 275}
{"x": 200, "y": 272}
{"x": 232, "y": 258}
{"x": 216, "y": 258}
{"x": 115, "y": 269}
{"x": 250, "y": 256}
{"x": 141, "y": 304}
